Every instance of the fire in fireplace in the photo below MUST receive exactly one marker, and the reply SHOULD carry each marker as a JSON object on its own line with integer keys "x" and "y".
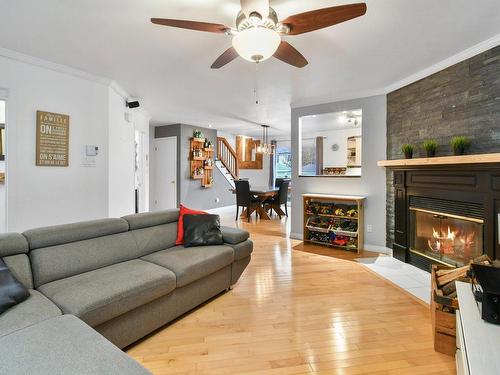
{"x": 446, "y": 238}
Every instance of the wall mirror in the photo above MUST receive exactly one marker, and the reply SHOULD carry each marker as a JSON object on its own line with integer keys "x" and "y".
{"x": 330, "y": 144}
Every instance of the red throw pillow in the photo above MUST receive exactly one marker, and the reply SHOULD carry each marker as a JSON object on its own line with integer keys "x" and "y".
{"x": 180, "y": 224}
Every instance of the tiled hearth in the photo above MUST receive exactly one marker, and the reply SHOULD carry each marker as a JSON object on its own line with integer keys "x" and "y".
{"x": 404, "y": 275}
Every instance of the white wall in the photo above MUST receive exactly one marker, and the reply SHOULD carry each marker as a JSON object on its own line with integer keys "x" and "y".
{"x": 39, "y": 196}
{"x": 372, "y": 183}
{"x": 339, "y": 137}
{"x": 121, "y": 176}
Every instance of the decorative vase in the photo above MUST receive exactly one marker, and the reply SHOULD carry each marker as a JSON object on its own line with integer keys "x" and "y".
{"x": 458, "y": 151}
{"x": 431, "y": 153}
{"x": 408, "y": 154}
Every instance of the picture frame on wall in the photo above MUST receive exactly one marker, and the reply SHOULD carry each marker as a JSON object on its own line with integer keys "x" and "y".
{"x": 52, "y": 139}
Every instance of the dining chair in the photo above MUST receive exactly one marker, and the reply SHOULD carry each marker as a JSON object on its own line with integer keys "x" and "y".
{"x": 244, "y": 199}
{"x": 281, "y": 199}
{"x": 278, "y": 182}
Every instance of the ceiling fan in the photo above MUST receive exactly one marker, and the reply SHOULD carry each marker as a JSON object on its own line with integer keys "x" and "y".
{"x": 258, "y": 33}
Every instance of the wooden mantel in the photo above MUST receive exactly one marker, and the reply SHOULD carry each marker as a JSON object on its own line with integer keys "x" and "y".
{"x": 442, "y": 160}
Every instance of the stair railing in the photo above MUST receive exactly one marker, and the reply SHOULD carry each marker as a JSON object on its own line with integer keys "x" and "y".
{"x": 228, "y": 157}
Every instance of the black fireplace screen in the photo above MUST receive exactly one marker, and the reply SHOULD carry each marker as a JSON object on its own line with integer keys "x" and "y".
{"x": 450, "y": 239}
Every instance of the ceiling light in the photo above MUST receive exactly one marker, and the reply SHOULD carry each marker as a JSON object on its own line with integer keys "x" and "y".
{"x": 265, "y": 147}
{"x": 256, "y": 44}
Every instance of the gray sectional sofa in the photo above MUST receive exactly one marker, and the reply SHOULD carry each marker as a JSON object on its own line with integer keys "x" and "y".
{"x": 114, "y": 279}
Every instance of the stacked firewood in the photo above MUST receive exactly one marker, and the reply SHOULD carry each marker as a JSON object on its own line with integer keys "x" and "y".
{"x": 446, "y": 290}
{"x": 445, "y": 303}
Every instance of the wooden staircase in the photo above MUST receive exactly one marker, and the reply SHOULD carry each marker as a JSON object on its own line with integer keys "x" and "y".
{"x": 228, "y": 158}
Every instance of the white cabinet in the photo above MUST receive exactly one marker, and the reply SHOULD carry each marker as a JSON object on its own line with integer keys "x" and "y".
{"x": 354, "y": 148}
{"x": 478, "y": 342}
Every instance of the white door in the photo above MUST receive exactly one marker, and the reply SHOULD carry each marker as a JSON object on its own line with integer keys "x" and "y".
{"x": 139, "y": 172}
{"x": 164, "y": 174}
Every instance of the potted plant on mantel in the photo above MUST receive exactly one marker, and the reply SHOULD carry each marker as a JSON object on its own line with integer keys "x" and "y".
{"x": 430, "y": 148}
{"x": 460, "y": 145}
{"x": 407, "y": 150}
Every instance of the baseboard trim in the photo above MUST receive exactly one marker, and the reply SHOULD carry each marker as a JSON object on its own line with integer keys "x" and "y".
{"x": 297, "y": 236}
{"x": 215, "y": 210}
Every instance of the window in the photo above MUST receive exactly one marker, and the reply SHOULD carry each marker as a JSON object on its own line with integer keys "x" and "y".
{"x": 308, "y": 157}
{"x": 283, "y": 162}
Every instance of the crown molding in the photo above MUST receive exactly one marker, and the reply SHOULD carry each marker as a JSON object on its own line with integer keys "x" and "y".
{"x": 113, "y": 85}
{"x": 446, "y": 63}
{"x": 59, "y": 68}
{"x": 443, "y": 64}
{"x": 311, "y": 102}
{"x": 26, "y": 59}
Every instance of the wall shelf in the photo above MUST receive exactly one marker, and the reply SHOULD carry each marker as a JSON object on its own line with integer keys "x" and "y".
{"x": 198, "y": 163}
{"x": 441, "y": 160}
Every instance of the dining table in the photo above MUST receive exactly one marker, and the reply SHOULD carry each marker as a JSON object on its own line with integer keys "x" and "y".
{"x": 262, "y": 193}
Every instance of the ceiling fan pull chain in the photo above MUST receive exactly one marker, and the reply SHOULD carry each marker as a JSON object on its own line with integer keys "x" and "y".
{"x": 256, "y": 84}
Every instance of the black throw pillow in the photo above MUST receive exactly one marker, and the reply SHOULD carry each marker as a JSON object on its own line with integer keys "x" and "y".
{"x": 12, "y": 291}
{"x": 202, "y": 230}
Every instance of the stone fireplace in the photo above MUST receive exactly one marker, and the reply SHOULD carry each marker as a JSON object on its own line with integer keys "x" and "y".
{"x": 445, "y": 213}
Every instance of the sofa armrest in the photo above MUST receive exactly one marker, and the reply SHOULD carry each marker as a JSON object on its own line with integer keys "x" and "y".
{"x": 234, "y": 236}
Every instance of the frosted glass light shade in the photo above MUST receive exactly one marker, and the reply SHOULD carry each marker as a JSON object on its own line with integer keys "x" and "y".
{"x": 256, "y": 44}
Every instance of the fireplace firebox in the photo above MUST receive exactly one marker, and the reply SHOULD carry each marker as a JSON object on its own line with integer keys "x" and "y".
{"x": 446, "y": 214}
{"x": 445, "y": 238}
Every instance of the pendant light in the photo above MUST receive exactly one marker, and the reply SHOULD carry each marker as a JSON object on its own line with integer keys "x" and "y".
{"x": 265, "y": 147}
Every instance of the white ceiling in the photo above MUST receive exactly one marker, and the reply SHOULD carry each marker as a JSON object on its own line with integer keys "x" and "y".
{"x": 169, "y": 68}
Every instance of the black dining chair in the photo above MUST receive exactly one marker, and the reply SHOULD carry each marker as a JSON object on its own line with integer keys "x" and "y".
{"x": 281, "y": 199}
{"x": 278, "y": 182}
{"x": 244, "y": 199}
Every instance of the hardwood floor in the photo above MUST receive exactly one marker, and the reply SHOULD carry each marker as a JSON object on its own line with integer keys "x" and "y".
{"x": 297, "y": 312}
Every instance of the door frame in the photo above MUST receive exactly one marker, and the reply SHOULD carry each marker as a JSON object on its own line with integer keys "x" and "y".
{"x": 140, "y": 153}
{"x": 4, "y": 96}
{"x": 153, "y": 161}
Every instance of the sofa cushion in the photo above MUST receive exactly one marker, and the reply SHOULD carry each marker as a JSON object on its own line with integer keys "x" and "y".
{"x": 180, "y": 223}
{"x": 12, "y": 244}
{"x": 202, "y": 230}
{"x": 234, "y": 235}
{"x": 33, "y": 310}
{"x": 194, "y": 263}
{"x": 67, "y": 233}
{"x": 20, "y": 267}
{"x": 151, "y": 219}
{"x": 12, "y": 292}
{"x": 61, "y": 261}
{"x": 103, "y": 294}
{"x": 156, "y": 238}
{"x": 63, "y": 345}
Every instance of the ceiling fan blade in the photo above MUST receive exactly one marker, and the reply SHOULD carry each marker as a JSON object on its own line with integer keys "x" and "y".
{"x": 287, "y": 53}
{"x": 259, "y": 6}
{"x": 225, "y": 58}
{"x": 192, "y": 25}
{"x": 321, "y": 18}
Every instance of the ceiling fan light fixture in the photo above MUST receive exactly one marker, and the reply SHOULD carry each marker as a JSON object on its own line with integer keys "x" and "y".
{"x": 256, "y": 44}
